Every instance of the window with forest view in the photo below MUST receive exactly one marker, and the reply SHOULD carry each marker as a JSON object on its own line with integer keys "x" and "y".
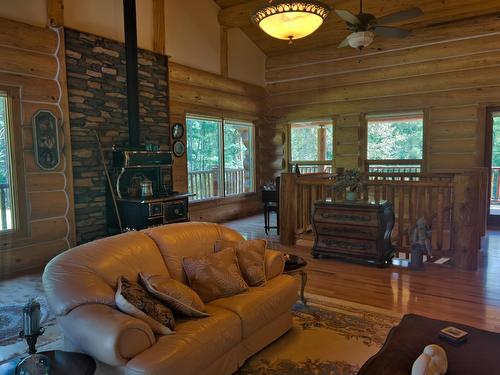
{"x": 6, "y": 210}
{"x": 311, "y": 146}
{"x": 216, "y": 171}
{"x": 395, "y": 143}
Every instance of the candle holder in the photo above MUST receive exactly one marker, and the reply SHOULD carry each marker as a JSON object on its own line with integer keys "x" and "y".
{"x": 32, "y": 339}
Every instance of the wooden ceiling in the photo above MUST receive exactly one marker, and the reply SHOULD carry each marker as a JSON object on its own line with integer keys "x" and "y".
{"x": 236, "y": 13}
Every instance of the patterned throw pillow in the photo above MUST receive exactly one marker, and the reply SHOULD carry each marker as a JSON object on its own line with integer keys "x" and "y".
{"x": 215, "y": 276}
{"x": 251, "y": 259}
{"x": 132, "y": 299}
{"x": 174, "y": 294}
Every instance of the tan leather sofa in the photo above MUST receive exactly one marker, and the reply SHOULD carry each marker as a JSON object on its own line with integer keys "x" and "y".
{"x": 80, "y": 286}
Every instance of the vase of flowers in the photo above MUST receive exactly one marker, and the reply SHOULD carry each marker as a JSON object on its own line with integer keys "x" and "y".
{"x": 350, "y": 182}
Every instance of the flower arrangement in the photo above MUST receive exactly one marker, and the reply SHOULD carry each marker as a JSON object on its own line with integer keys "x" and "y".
{"x": 350, "y": 180}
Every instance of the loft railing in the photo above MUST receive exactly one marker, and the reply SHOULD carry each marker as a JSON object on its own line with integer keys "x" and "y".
{"x": 205, "y": 184}
{"x": 454, "y": 204}
{"x": 4, "y": 206}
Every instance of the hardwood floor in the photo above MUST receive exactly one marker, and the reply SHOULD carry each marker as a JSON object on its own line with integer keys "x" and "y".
{"x": 440, "y": 292}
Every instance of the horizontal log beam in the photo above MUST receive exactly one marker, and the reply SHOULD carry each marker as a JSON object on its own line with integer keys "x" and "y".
{"x": 24, "y": 36}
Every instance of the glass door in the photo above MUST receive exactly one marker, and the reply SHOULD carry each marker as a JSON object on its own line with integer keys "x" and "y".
{"x": 493, "y": 150}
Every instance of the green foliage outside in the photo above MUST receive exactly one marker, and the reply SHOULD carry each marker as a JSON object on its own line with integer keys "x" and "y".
{"x": 203, "y": 145}
{"x": 304, "y": 143}
{"x": 4, "y": 178}
{"x": 495, "y": 161}
{"x": 395, "y": 140}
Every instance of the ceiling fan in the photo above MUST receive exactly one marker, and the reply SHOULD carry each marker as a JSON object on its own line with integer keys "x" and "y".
{"x": 365, "y": 26}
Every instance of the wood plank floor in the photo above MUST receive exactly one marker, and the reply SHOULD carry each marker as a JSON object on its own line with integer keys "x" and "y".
{"x": 440, "y": 292}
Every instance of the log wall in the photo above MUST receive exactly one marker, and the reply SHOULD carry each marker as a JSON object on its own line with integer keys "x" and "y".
{"x": 194, "y": 91}
{"x": 32, "y": 63}
{"x": 449, "y": 71}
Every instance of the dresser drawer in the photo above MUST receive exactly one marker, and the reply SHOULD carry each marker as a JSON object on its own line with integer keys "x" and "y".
{"x": 369, "y": 218}
{"x": 346, "y": 245}
{"x": 349, "y": 231}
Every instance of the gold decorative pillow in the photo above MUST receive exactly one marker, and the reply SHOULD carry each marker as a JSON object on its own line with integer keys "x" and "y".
{"x": 215, "y": 276}
{"x": 251, "y": 259}
{"x": 174, "y": 294}
{"x": 132, "y": 299}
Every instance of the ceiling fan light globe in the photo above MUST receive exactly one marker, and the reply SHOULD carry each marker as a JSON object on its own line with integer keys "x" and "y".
{"x": 361, "y": 39}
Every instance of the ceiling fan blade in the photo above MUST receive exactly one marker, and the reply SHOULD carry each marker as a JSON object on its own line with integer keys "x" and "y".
{"x": 400, "y": 16}
{"x": 344, "y": 43}
{"x": 391, "y": 32}
{"x": 348, "y": 16}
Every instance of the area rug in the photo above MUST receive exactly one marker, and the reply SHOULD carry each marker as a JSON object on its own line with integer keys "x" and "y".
{"x": 329, "y": 337}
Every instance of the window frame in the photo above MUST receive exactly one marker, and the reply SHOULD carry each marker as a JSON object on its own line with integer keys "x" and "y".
{"x": 222, "y": 186}
{"x": 292, "y": 163}
{"x": 16, "y": 155}
{"x": 399, "y": 162}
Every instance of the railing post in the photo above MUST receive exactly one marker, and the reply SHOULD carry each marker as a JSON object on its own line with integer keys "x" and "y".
{"x": 215, "y": 174}
{"x": 465, "y": 230}
{"x": 288, "y": 208}
{"x": 3, "y": 208}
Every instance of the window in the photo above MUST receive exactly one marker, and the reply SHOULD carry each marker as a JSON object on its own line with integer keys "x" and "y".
{"x": 311, "y": 146}
{"x": 220, "y": 157}
{"x": 395, "y": 143}
{"x": 6, "y": 207}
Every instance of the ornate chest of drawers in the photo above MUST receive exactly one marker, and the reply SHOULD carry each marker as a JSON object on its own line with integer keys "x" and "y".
{"x": 354, "y": 230}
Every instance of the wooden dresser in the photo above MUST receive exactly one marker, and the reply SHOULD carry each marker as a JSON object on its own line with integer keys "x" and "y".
{"x": 354, "y": 230}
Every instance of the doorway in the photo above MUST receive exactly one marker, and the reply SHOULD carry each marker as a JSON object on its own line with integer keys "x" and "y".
{"x": 493, "y": 162}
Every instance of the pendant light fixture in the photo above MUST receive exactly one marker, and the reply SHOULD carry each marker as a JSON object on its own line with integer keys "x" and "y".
{"x": 290, "y": 20}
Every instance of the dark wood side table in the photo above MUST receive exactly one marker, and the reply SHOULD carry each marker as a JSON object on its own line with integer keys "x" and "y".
{"x": 354, "y": 230}
{"x": 295, "y": 265}
{"x": 62, "y": 363}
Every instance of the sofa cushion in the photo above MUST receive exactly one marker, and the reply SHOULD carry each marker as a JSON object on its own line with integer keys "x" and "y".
{"x": 196, "y": 344}
{"x": 216, "y": 275}
{"x": 132, "y": 299}
{"x": 193, "y": 239}
{"x": 260, "y": 305}
{"x": 174, "y": 294}
{"x": 250, "y": 254}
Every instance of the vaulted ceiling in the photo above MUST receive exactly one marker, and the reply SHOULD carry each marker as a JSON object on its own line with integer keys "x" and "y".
{"x": 236, "y": 13}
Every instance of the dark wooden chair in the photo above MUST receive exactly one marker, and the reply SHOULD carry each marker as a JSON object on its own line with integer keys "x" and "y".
{"x": 271, "y": 201}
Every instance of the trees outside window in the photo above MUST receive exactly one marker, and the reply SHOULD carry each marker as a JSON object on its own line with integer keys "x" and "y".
{"x": 395, "y": 143}
{"x": 6, "y": 209}
{"x": 311, "y": 146}
{"x": 215, "y": 170}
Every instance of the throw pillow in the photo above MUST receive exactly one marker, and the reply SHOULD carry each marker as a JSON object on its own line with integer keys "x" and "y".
{"x": 251, "y": 259}
{"x": 174, "y": 294}
{"x": 132, "y": 299}
{"x": 215, "y": 276}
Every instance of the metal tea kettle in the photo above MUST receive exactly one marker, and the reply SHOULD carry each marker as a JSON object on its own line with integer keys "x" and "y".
{"x": 146, "y": 188}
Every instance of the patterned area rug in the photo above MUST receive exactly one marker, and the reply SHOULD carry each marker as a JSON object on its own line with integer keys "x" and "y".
{"x": 329, "y": 337}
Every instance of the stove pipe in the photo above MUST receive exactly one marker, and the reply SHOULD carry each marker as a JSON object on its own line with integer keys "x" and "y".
{"x": 130, "y": 24}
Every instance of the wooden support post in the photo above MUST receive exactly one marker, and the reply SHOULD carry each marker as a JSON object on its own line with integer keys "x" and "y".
{"x": 224, "y": 65}
{"x": 288, "y": 208}
{"x": 55, "y": 13}
{"x": 159, "y": 26}
{"x": 466, "y": 236}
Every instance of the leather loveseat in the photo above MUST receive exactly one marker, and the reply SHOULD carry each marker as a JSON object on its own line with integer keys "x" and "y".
{"x": 80, "y": 286}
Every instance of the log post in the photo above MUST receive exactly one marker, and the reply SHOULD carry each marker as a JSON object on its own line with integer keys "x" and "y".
{"x": 465, "y": 240}
{"x": 288, "y": 208}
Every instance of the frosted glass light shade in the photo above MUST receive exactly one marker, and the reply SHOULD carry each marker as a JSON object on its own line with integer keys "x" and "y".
{"x": 290, "y": 20}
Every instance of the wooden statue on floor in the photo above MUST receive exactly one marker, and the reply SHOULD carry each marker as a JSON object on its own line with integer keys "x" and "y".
{"x": 420, "y": 243}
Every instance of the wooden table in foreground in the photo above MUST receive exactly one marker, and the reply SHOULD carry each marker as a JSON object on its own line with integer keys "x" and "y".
{"x": 354, "y": 230}
{"x": 62, "y": 363}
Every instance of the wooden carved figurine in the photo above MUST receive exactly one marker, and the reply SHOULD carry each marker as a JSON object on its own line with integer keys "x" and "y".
{"x": 420, "y": 240}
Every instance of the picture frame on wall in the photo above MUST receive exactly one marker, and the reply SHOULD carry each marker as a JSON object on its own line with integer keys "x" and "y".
{"x": 46, "y": 140}
{"x": 177, "y": 131}
{"x": 179, "y": 148}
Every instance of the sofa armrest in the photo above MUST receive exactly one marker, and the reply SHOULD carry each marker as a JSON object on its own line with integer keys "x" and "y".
{"x": 275, "y": 263}
{"x": 107, "y": 334}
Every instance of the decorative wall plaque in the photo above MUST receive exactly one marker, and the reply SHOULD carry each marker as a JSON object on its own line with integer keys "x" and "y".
{"x": 46, "y": 140}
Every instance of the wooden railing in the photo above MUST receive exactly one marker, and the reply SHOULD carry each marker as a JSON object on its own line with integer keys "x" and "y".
{"x": 454, "y": 205}
{"x": 4, "y": 206}
{"x": 205, "y": 184}
{"x": 495, "y": 186}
